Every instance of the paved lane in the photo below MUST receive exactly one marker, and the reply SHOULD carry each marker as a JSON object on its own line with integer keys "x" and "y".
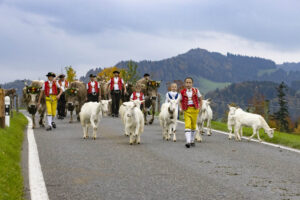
{"x": 109, "y": 168}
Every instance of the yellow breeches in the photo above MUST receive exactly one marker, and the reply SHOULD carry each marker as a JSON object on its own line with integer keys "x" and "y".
{"x": 190, "y": 118}
{"x": 51, "y": 104}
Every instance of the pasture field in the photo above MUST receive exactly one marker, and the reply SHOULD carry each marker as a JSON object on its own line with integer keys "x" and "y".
{"x": 11, "y": 139}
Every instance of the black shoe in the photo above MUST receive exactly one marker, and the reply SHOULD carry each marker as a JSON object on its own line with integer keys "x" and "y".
{"x": 113, "y": 115}
{"x": 193, "y": 144}
{"x": 116, "y": 115}
{"x": 53, "y": 124}
{"x": 49, "y": 128}
{"x": 187, "y": 145}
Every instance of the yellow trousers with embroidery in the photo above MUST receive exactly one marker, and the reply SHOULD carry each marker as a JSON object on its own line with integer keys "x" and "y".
{"x": 51, "y": 104}
{"x": 190, "y": 118}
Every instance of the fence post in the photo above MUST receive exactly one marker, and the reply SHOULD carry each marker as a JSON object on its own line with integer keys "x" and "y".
{"x": 17, "y": 103}
{"x": 2, "y": 116}
{"x": 7, "y": 110}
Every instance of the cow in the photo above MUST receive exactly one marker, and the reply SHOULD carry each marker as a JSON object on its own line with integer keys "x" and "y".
{"x": 30, "y": 99}
{"x": 75, "y": 97}
{"x": 149, "y": 88}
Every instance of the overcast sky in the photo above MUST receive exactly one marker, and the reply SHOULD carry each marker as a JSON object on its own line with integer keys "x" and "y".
{"x": 37, "y": 36}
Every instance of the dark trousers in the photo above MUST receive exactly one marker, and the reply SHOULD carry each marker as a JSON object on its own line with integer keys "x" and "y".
{"x": 93, "y": 97}
{"x": 61, "y": 105}
{"x": 115, "y": 97}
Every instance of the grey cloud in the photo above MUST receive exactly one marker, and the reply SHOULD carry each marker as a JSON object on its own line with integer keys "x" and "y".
{"x": 274, "y": 22}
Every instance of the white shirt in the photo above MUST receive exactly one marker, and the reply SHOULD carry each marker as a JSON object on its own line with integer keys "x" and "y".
{"x": 173, "y": 95}
{"x": 138, "y": 94}
{"x": 116, "y": 80}
{"x": 93, "y": 86}
{"x": 50, "y": 86}
{"x": 189, "y": 94}
{"x": 63, "y": 85}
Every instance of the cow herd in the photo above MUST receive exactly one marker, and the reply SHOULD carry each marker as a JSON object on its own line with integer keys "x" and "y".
{"x": 89, "y": 114}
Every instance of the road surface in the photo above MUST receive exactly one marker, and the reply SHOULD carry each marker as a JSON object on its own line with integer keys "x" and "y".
{"x": 109, "y": 168}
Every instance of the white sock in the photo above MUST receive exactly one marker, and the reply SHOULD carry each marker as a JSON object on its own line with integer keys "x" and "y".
{"x": 188, "y": 137}
{"x": 192, "y": 136}
{"x": 53, "y": 117}
{"x": 49, "y": 117}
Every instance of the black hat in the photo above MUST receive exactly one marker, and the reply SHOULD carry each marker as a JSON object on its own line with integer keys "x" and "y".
{"x": 146, "y": 74}
{"x": 61, "y": 76}
{"x": 92, "y": 75}
{"x": 116, "y": 71}
{"x": 51, "y": 74}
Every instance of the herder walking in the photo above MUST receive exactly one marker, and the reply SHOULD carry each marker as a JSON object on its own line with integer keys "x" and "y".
{"x": 116, "y": 85}
{"x": 61, "y": 103}
{"x": 93, "y": 90}
{"x": 50, "y": 88}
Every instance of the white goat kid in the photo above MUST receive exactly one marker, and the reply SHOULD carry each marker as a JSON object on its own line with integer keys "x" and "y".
{"x": 90, "y": 115}
{"x": 168, "y": 119}
{"x": 205, "y": 114}
{"x": 134, "y": 122}
{"x": 125, "y": 106}
{"x": 231, "y": 122}
{"x": 254, "y": 121}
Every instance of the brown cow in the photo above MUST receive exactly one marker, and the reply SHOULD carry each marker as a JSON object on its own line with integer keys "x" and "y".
{"x": 151, "y": 95}
{"x": 30, "y": 98}
{"x": 75, "y": 99}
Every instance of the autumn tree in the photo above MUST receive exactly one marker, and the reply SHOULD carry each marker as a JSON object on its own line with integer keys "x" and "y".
{"x": 282, "y": 114}
{"x": 71, "y": 73}
{"x": 130, "y": 75}
{"x": 258, "y": 105}
{"x": 107, "y": 73}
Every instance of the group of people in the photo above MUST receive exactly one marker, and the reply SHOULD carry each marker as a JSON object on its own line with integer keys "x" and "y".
{"x": 189, "y": 99}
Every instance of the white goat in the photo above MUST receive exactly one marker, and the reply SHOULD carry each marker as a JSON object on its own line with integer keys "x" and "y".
{"x": 91, "y": 114}
{"x": 168, "y": 119}
{"x": 231, "y": 122}
{"x": 254, "y": 121}
{"x": 134, "y": 122}
{"x": 205, "y": 114}
{"x": 126, "y": 105}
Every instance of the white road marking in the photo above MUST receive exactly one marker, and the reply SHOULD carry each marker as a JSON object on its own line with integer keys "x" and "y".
{"x": 38, "y": 190}
{"x": 254, "y": 140}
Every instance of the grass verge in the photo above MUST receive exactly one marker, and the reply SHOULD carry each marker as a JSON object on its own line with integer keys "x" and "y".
{"x": 11, "y": 139}
{"x": 286, "y": 139}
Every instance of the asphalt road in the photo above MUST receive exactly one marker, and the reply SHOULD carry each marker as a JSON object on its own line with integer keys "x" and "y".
{"x": 109, "y": 168}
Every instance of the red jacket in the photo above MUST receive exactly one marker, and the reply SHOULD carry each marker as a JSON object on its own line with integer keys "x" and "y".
{"x": 134, "y": 97}
{"x": 112, "y": 82}
{"x": 185, "y": 99}
{"x": 47, "y": 88}
{"x": 66, "y": 83}
{"x": 90, "y": 87}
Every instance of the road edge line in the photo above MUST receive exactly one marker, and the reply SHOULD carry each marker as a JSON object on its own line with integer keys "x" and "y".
{"x": 38, "y": 190}
{"x": 254, "y": 140}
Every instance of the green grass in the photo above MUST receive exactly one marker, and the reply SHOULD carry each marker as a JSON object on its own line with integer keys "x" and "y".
{"x": 286, "y": 139}
{"x": 11, "y": 139}
{"x": 206, "y": 85}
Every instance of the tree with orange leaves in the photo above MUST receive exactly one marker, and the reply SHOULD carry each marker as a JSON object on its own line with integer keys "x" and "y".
{"x": 107, "y": 73}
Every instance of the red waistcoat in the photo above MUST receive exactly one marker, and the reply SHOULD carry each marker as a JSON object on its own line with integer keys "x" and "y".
{"x": 47, "y": 88}
{"x": 134, "y": 97}
{"x": 95, "y": 86}
{"x": 66, "y": 83}
{"x": 112, "y": 82}
{"x": 185, "y": 99}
